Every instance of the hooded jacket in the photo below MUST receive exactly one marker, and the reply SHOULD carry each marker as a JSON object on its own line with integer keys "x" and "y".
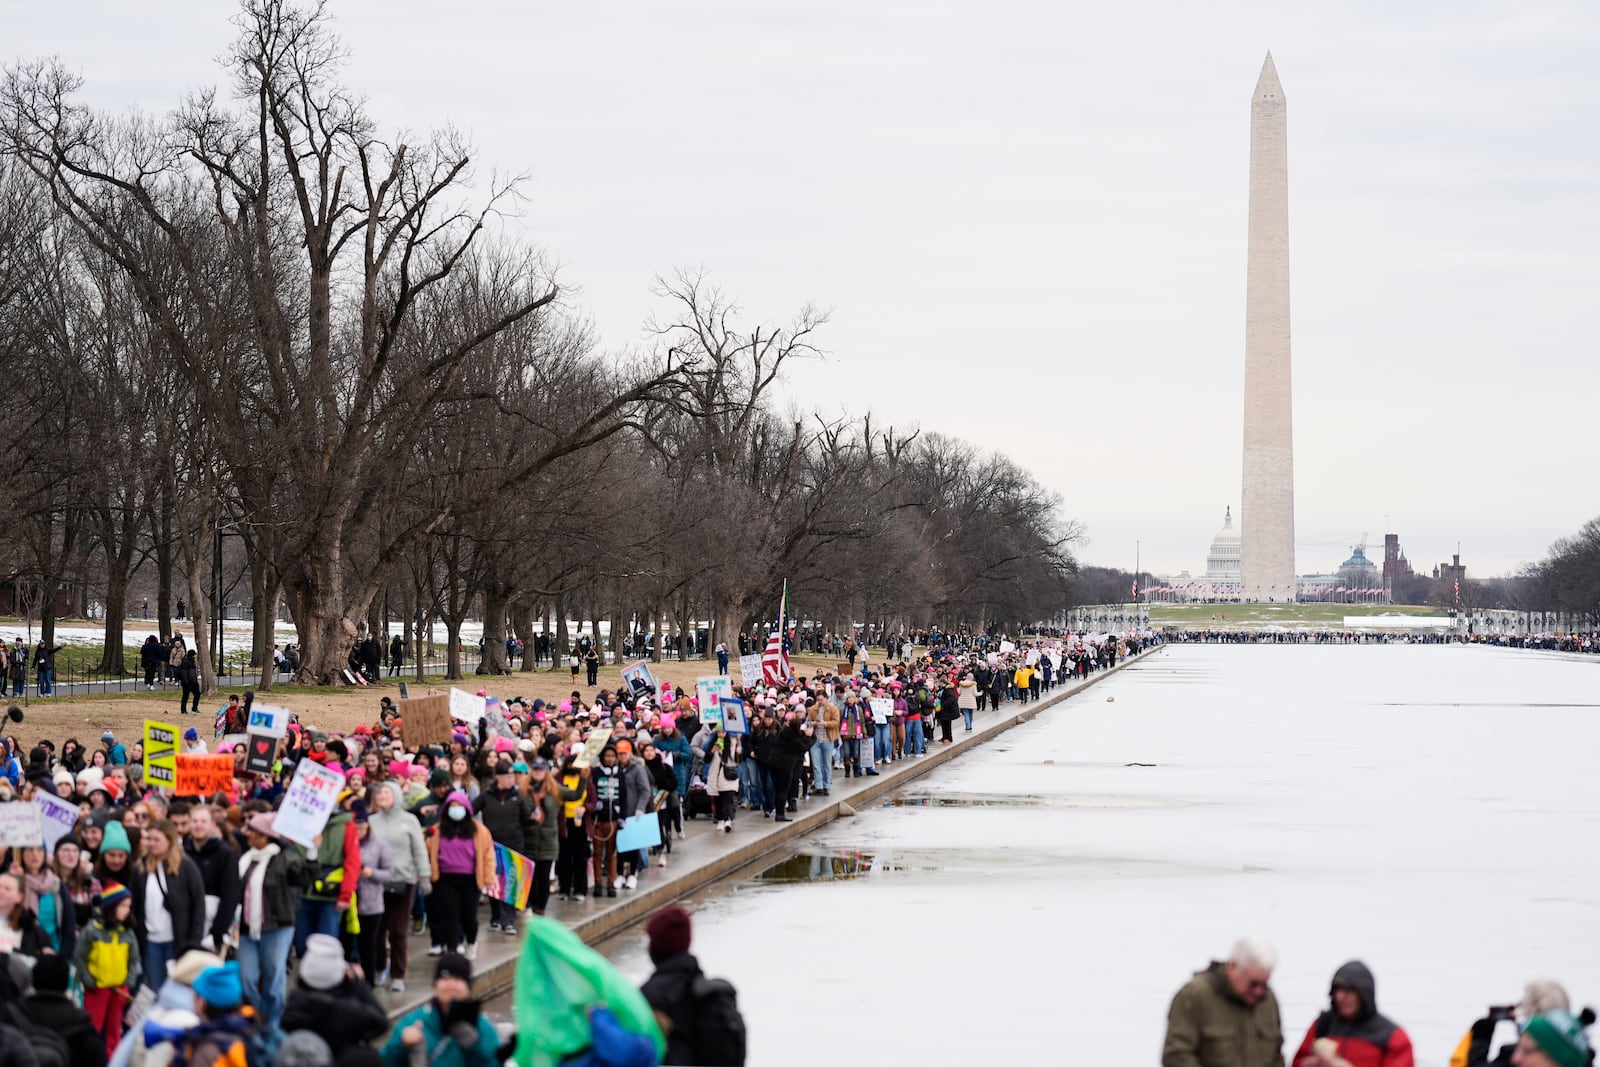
{"x": 483, "y": 848}
{"x": 1210, "y": 1025}
{"x": 1368, "y": 1040}
{"x": 403, "y": 834}
{"x": 219, "y": 871}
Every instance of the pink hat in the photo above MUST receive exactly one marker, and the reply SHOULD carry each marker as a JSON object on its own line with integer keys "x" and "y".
{"x": 399, "y": 768}
{"x": 504, "y": 744}
{"x": 483, "y": 692}
{"x": 668, "y": 720}
{"x": 566, "y": 705}
{"x": 226, "y": 746}
{"x": 540, "y": 717}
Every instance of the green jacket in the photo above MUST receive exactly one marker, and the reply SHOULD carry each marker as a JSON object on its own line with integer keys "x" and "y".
{"x": 442, "y": 1049}
{"x": 106, "y": 958}
{"x": 1210, "y": 1025}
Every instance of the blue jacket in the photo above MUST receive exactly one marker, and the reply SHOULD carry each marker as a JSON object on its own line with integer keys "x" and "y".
{"x": 682, "y": 758}
{"x": 442, "y": 1049}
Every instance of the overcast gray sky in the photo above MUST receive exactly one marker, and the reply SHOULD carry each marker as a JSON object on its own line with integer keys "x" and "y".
{"x": 1028, "y": 219}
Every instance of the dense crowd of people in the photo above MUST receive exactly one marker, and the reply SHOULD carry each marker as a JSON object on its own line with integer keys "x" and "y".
{"x": 1227, "y": 1016}
{"x": 173, "y": 920}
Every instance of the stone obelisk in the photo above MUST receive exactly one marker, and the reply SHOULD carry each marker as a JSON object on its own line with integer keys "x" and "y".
{"x": 1266, "y": 513}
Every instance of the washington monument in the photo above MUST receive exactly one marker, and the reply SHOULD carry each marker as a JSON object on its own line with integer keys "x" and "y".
{"x": 1266, "y": 513}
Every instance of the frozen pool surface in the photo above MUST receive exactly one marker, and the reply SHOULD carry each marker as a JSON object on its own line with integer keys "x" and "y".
{"x": 1429, "y": 809}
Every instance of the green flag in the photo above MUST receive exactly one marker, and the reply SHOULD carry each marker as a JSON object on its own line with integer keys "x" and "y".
{"x": 559, "y": 979}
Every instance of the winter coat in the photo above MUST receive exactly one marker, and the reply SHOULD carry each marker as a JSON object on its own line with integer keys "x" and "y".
{"x": 967, "y": 695}
{"x": 716, "y": 783}
{"x": 219, "y": 873}
{"x": 483, "y": 855}
{"x": 345, "y": 1016}
{"x": 408, "y": 853}
{"x": 541, "y": 838}
{"x": 636, "y": 788}
{"x": 57, "y": 1012}
{"x": 150, "y": 655}
{"x": 443, "y": 1050}
{"x": 670, "y": 993}
{"x": 677, "y": 747}
{"x": 288, "y": 875}
{"x": 1368, "y": 1040}
{"x": 34, "y": 941}
{"x": 789, "y": 747}
{"x": 185, "y": 901}
{"x": 505, "y": 814}
{"x": 1210, "y": 1025}
{"x": 107, "y": 957}
{"x": 375, "y": 856}
{"x": 824, "y": 719}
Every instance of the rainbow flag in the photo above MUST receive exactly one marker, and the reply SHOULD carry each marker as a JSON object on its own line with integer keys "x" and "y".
{"x": 513, "y": 874}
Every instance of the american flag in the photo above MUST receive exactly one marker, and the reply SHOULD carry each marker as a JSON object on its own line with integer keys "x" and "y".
{"x": 775, "y": 661}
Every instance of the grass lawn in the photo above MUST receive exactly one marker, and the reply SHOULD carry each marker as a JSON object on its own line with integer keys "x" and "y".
{"x": 1319, "y": 616}
{"x": 338, "y": 709}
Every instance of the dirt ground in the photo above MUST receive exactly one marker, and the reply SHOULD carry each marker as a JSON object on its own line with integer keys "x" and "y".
{"x": 338, "y": 710}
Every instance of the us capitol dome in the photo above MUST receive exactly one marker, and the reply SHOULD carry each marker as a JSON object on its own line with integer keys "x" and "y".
{"x": 1222, "y": 562}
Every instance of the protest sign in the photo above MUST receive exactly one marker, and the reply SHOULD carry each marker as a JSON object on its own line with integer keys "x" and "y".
{"x": 1007, "y": 647}
{"x": 641, "y": 683}
{"x": 712, "y": 715}
{"x": 592, "y": 747}
{"x": 468, "y": 707}
{"x": 749, "y": 670}
{"x": 160, "y": 749}
{"x": 513, "y": 873}
{"x": 56, "y": 818}
{"x": 733, "y": 716}
{"x": 19, "y": 825}
{"x": 709, "y": 690}
{"x": 842, "y": 669}
{"x": 494, "y": 711}
{"x": 882, "y": 709}
{"x": 1031, "y": 657}
{"x": 641, "y": 831}
{"x": 268, "y": 719}
{"x": 259, "y": 752}
{"x": 309, "y": 801}
{"x": 425, "y": 721}
{"x": 202, "y": 774}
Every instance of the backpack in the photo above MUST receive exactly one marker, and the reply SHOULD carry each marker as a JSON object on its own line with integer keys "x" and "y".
{"x": 719, "y": 1032}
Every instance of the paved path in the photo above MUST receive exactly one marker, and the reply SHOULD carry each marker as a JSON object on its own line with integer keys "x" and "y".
{"x": 706, "y": 856}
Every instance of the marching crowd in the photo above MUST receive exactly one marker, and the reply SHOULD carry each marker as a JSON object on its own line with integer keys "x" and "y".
{"x": 1227, "y": 1016}
{"x": 162, "y": 928}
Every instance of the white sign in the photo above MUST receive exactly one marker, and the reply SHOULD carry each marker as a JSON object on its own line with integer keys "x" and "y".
{"x": 749, "y": 670}
{"x": 56, "y": 818}
{"x": 308, "y": 803}
{"x": 713, "y": 689}
{"x": 268, "y": 719}
{"x": 1032, "y": 658}
{"x": 882, "y": 709}
{"x": 19, "y": 825}
{"x": 1007, "y": 647}
{"x": 468, "y": 707}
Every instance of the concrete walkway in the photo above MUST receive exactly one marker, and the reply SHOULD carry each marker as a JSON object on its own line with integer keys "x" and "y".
{"x": 706, "y": 856}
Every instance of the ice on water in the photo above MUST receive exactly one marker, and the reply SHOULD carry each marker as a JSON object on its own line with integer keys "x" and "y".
{"x": 1430, "y": 809}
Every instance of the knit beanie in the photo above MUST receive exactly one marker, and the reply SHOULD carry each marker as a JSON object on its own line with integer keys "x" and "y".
{"x": 669, "y": 933}
{"x": 1560, "y": 1037}
{"x": 50, "y": 974}
{"x": 322, "y": 966}
{"x": 116, "y": 839}
{"x": 113, "y": 893}
{"x": 304, "y": 1048}
{"x": 220, "y": 987}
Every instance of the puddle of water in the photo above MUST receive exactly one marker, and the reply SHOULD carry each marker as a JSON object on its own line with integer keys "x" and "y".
{"x": 846, "y": 865}
{"x": 911, "y": 798}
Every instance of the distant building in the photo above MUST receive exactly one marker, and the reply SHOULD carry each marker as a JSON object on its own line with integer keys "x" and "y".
{"x": 1395, "y": 564}
{"x": 1222, "y": 562}
{"x": 1452, "y": 571}
{"x": 1359, "y": 572}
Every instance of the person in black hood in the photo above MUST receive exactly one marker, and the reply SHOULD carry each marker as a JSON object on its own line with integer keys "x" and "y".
{"x": 699, "y": 1017}
{"x": 1351, "y": 1031}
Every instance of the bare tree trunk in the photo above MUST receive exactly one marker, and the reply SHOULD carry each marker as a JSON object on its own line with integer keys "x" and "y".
{"x": 164, "y": 564}
{"x": 493, "y": 660}
{"x": 559, "y": 650}
{"x": 452, "y": 627}
{"x": 655, "y": 633}
{"x": 111, "y": 657}
{"x": 522, "y": 626}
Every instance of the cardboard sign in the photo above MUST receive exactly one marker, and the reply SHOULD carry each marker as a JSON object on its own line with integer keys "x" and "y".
{"x": 640, "y": 682}
{"x": 19, "y": 826}
{"x": 308, "y": 802}
{"x": 882, "y": 709}
{"x": 160, "y": 754}
{"x": 204, "y": 774}
{"x": 468, "y": 707}
{"x": 733, "y": 715}
{"x": 268, "y": 720}
{"x": 259, "y": 752}
{"x": 842, "y": 669}
{"x": 56, "y": 818}
{"x": 749, "y": 670}
{"x": 425, "y": 721}
{"x": 710, "y": 690}
{"x": 592, "y": 747}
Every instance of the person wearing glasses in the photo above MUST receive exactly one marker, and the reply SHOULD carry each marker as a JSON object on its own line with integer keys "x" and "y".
{"x": 1227, "y": 1015}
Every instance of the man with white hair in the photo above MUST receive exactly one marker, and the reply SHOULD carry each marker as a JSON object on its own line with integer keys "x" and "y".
{"x": 1227, "y": 1015}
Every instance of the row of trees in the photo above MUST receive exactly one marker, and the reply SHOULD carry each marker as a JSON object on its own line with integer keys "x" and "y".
{"x": 260, "y": 317}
